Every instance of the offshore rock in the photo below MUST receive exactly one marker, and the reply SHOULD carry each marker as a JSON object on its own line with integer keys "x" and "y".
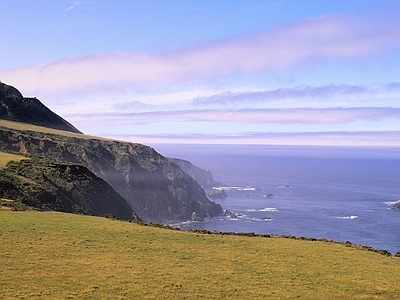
{"x": 396, "y": 205}
{"x": 217, "y": 193}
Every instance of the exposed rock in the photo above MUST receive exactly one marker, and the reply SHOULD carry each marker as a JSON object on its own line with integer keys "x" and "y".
{"x": 217, "y": 193}
{"x": 15, "y": 107}
{"x": 396, "y": 205}
{"x": 203, "y": 177}
{"x": 230, "y": 214}
{"x": 52, "y": 185}
{"x": 156, "y": 188}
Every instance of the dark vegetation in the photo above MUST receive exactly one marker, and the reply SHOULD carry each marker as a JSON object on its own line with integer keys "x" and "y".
{"x": 51, "y": 185}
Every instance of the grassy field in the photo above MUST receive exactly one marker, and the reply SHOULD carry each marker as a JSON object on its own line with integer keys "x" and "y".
{"x": 50, "y": 255}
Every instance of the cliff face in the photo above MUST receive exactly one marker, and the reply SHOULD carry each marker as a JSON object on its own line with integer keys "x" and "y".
{"x": 156, "y": 188}
{"x": 203, "y": 177}
{"x": 52, "y": 185}
{"x": 15, "y": 107}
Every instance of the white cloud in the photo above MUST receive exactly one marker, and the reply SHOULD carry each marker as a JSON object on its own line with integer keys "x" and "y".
{"x": 71, "y": 7}
{"x": 308, "y": 40}
{"x": 281, "y": 116}
{"x": 339, "y": 138}
{"x": 228, "y": 97}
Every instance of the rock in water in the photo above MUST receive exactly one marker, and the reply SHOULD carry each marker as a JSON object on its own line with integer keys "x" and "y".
{"x": 217, "y": 193}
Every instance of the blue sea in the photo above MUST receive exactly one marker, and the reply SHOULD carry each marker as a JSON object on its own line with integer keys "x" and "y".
{"x": 343, "y": 194}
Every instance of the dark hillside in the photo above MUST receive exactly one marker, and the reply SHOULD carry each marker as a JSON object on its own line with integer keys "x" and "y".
{"x": 15, "y": 107}
{"x": 51, "y": 185}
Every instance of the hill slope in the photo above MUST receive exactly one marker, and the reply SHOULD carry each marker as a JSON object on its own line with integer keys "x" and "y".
{"x": 15, "y": 107}
{"x": 50, "y": 255}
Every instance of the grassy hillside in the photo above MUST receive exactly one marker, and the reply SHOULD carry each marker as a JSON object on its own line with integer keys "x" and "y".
{"x": 30, "y": 127}
{"x": 49, "y": 255}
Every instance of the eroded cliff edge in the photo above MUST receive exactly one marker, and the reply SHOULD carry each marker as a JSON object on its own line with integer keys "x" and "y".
{"x": 155, "y": 187}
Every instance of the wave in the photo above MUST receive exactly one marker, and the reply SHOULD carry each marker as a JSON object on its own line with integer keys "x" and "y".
{"x": 265, "y": 219}
{"x": 348, "y": 217}
{"x": 247, "y": 189}
{"x": 238, "y": 188}
{"x": 390, "y": 203}
{"x": 270, "y": 209}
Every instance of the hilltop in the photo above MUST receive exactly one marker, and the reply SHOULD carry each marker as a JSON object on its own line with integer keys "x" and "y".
{"x": 15, "y": 107}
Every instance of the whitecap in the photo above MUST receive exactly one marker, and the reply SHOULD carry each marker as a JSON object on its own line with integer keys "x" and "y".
{"x": 246, "y": 189}
{"x": 251, "y": 209}
{"x": 270, "y": 209}
{"x": 348, "y": 217}
{"x": 265, "y": 219}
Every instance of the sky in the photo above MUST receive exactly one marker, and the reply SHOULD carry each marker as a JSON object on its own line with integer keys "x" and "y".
{"x": 277, "y": 72}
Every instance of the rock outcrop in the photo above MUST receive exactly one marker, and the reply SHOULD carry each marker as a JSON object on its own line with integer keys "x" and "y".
{"x": 203, "y": 177}
{"x": 396, "y": 205}
{"x": 53, "y": 185}
{"x": 217, "y": 193}
{"x": 15, "y": 107}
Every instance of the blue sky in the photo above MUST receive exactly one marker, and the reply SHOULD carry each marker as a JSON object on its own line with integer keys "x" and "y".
{"x": 242, "y": 72}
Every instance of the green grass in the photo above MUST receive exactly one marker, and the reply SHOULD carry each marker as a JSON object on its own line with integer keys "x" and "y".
{"x": 50, "y": 255}
{"x": 6, "y": 157}
{"x": 30, "y": 127}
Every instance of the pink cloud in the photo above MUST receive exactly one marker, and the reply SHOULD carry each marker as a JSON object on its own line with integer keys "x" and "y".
{"x": 282, "y": 116}
{"x": 283, "y": 93}
{"x": 308, "y": 40}
{"x": 338, "y": 138}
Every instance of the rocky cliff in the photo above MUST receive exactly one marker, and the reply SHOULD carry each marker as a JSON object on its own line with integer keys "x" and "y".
{"x": 15, "y": 107}
{"x": 203, "y": 177}
{"x": 53, "y": 185}
{"x": 155, "y": 187}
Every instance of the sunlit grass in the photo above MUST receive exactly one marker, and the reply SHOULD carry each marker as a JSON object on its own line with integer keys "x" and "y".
{"x": 50, "y": 255}
{"x": 6, "y": 157}
{"x": 30, "y": 127}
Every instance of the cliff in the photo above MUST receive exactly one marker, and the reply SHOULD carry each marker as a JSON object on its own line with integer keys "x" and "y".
{"x": 15, "y": 107}
{"x": 155, "y": 187}
{"x": 52, "y": 185}
{"x": 203, "y": 177}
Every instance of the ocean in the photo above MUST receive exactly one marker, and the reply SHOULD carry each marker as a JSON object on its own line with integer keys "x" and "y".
{"x": 338, "y": 193}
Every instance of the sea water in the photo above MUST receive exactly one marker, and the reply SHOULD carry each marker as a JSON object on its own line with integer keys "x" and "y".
{"x": 343, "y": 194}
